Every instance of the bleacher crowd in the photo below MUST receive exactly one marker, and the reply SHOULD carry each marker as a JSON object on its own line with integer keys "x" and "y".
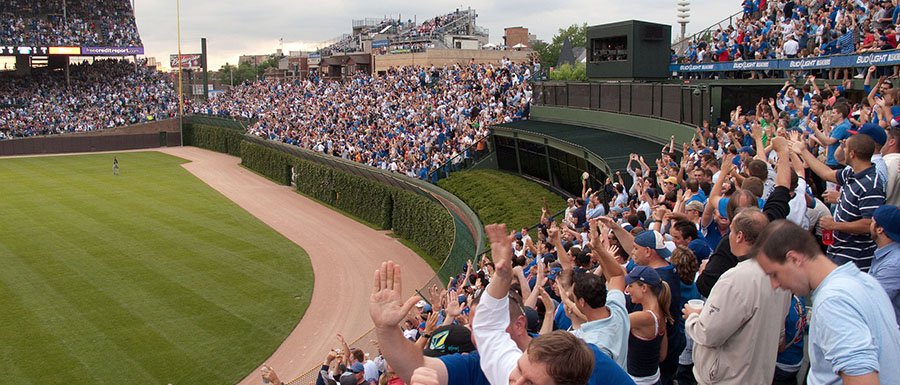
{"x": 800, "y": 29}
{"x": 102, "y": 94}
{"x": 767, "y": 238}
{"x": 108, "y": 23}
{"x": 409, "y": 120}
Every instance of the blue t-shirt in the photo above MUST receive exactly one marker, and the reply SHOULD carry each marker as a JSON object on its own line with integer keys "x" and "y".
{"x": 465, "y": 369}
{"x": 700, "y": 197}
{"x": 713, "y": 236}
{"x": 560, "y": 320}
{"x": 840, "y": 133}
{"x": 796, "y": 320}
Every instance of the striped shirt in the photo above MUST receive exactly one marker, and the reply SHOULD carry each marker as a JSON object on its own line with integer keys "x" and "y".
{"x": 861, "y": 194}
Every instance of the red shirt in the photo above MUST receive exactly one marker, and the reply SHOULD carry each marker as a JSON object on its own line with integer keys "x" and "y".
{"x": 723, "y": 56}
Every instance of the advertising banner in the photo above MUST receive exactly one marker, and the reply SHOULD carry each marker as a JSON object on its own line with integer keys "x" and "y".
{"x": 837, "y": 61}
{"x": 188, "y": 61}
{"x": 380, "y": 43}
{"x": 112, "y": 51}
{"x": 23, "y": 50}
{"x": 65, "y": 50}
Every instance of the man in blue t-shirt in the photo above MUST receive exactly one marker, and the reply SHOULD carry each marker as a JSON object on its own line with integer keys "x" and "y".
{"x": 838, "y": 133}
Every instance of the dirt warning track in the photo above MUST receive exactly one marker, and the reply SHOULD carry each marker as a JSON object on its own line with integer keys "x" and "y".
{"x": 343, "y": 252}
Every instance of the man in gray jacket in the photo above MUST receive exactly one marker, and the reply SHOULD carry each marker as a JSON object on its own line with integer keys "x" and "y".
{"x": 737, "y": 332}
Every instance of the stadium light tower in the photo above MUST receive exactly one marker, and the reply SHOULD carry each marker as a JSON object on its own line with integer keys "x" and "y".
{"x": 684, "y": 9}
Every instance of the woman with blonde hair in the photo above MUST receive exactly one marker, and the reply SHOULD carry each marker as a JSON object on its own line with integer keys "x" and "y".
{"x": 647, "y": 343}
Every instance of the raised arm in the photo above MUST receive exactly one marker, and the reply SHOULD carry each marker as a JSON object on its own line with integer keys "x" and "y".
{"x": 756, "y": 134}
{"x": 387, "y": 309}
{"x": 821, "y": 169}
{"x": 626, "y": 240}
{"x": 612, "y": 271}
{"x": 713, "y": 203}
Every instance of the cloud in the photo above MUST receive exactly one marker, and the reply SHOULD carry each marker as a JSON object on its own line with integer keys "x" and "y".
{"x": 233, "y": 28}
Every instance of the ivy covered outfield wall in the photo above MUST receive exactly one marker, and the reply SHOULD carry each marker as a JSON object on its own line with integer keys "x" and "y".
{"x": 432, "y": 219}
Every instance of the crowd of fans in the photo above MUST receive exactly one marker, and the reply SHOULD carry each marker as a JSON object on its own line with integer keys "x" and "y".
{"x": 107, "y": 23}
{"x": 409, "y": 120}
{"x": 409, "y": 35}
{"x": 102, "y": 94}
{"x": 765, "y": 239}
{"x": 801, "y": 29}
{"x": 430, "y": 27}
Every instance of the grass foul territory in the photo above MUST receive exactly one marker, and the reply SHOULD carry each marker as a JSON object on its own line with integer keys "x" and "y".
{"x": 499, "y": 197}
{"x": 148, "y": 277}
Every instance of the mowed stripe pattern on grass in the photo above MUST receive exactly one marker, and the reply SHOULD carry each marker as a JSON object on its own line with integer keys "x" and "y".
{"x": 146, "y": 277}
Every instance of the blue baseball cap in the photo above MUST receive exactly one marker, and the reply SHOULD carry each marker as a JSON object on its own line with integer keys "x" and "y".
{"x": 747, "y": 149}
{"x": 653, "y": 240}
{"x": 553, "y": 272}
{"x": 872, "y": 130}
{"x": 700, "y": 249}
{"x": 644, "y": 274}
{"x": 357, "y": 367}
{"x": 723, "y": 207}
{"x": 888, "y": 217}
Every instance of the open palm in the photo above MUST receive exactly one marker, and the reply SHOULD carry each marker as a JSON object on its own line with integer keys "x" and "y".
{"x": 386, "y": 305}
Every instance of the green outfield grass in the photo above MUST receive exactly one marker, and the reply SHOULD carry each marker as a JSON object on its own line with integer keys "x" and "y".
{"x": 149, "y": 277}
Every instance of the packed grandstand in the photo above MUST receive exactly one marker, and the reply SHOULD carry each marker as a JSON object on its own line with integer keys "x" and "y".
{"x": 767, "y": 30}
{"x": 409, "y": 120}
{"x": 105, "y": 23}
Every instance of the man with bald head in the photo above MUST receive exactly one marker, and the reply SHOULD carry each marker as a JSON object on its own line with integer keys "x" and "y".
{"x": 862, "y": 191}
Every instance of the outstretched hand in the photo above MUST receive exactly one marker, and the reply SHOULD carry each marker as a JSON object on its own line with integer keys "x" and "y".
{"x": 453, "y": 309}
{"x": 502, "y": 254}
{"x": 386, "y": 305}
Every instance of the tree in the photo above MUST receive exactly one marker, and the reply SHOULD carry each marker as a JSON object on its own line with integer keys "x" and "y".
{"x": 566, "y": 72}
{"x": 226, "y": 74}
{"x": 244, "y": 72}
{"x": 549, "y": 53}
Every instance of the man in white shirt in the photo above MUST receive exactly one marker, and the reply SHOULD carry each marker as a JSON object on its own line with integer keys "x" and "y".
{"x": 791, "y": 46}
{"x": 554, "y": 358}
{"x": 891, "y": 155}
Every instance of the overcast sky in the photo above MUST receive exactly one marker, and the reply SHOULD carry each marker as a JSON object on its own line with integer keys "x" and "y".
{"x": 233, "y": 28}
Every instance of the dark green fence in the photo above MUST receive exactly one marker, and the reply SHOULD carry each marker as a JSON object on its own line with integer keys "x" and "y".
{"x": 672, "y": 102}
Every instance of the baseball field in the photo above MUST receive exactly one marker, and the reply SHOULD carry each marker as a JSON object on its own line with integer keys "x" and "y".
{"x": 148, "y": 277}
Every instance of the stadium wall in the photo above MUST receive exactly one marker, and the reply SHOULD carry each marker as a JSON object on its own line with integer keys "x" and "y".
{"x": 440, "y": 57}
{"x": 653, "y": 111}
{"x": 146, "y": 135}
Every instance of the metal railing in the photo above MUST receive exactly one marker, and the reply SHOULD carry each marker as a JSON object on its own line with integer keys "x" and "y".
{"x": 462, "y": 161}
